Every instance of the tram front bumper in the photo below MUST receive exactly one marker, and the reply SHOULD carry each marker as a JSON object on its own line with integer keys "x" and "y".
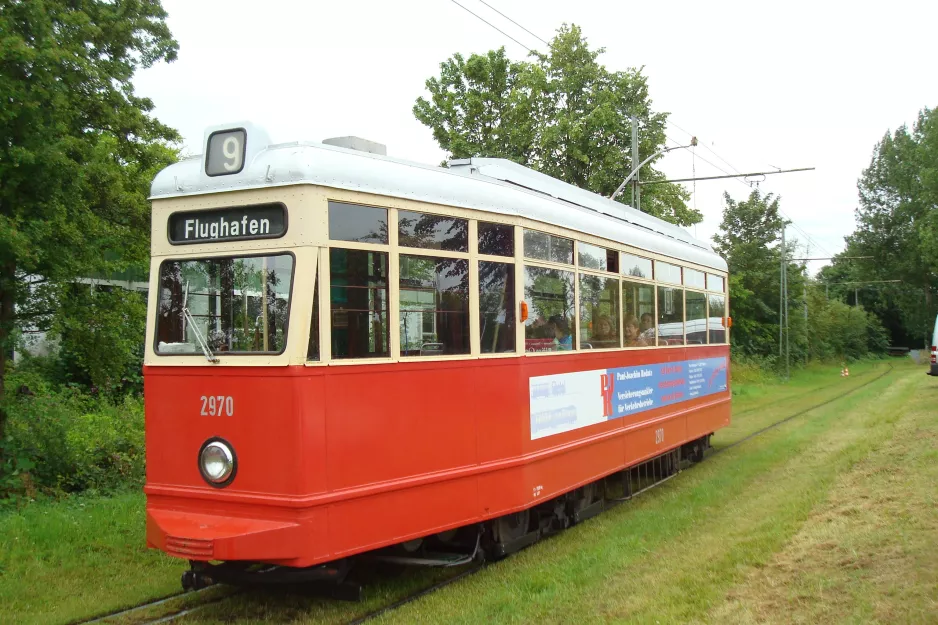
{"x": 195, "y": 536}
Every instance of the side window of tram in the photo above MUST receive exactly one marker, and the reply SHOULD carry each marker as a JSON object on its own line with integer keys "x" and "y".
{"x": 358, "y": 301}
{"x": 434, "y": 294}
{"x": 670, "y": 315}
{"x": 695, "y": 327}
{"x": 638, "y": 310}
{"x": 549, "y": 296}
{"x": 496, "y": 307}
{"x": 599, "y": 312}
{"x": 312, "y": 353}
{"x": 716, "y": 319}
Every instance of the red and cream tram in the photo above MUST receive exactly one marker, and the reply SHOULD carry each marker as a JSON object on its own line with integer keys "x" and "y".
{"x": 348, "y": 351}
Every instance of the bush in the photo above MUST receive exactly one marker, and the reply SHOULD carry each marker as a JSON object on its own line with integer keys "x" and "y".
{"x": 63, "y": 440}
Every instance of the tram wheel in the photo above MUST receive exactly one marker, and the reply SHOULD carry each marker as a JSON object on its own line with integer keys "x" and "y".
{"x": 512, "y": 526}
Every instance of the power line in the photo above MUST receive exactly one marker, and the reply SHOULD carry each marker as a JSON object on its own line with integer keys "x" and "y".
{"x": 707, "y": 147}
{"x": 493, "y": 26}
{"x": 514, "y": 22}
{"x": 783, "y": 213}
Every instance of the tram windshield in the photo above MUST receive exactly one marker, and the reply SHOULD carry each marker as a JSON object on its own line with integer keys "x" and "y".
{"x": 237, "y": 304}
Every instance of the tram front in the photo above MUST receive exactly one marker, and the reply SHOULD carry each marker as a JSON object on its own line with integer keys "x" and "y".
{"x": 232, "y": 292}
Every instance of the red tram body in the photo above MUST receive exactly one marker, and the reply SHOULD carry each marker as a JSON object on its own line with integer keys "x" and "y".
{"x": 333, "y": 461}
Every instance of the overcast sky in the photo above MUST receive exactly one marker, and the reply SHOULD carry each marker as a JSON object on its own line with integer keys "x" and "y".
{"x": 785, "y": 85}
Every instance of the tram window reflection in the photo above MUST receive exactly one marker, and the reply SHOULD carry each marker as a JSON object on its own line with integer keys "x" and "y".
{"x": 716, "y": 319}
{"x": 359, "y": 303}
{"x": 695, "y": 326}
{"x": 694, "y": 278}
{"x": 636, "y": 266}
{"x": 312, "y": 351}
{"x": 496, "y": 307}
{"x": 599, "y": 312}
{"x": 543, "y": 246}
{"x": 595, "y": 257}
{"x": 549, "y": 296}
{"x": 638, "y": 308}
{"x": 432, "y": 232}
{"x": 670, "y": 315}
{"x": 496, "y": 239}
{"x": 434, "y": 294}
{"x": 351, "y": 222}
{"x": 237, "y": 305}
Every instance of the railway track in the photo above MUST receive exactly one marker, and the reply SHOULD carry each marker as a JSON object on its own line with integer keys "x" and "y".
{"x": 212, "y": 598}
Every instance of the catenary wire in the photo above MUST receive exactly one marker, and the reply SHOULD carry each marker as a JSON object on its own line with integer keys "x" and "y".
{"x": 514, "y": 22}
{"x": 492, "y": 25}
{"x": 791, "y": 221}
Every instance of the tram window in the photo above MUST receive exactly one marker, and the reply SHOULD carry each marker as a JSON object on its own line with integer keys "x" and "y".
{"x": 595, "y": 257}
{"x": 599, "y": 312}
{"x": 358, "y": 300}
{"x": 238, "y": 304}
{"x": 549, "y": 296}
{"x": 363, "y": 224}
{"x": 434, "y": 305}
{"x": 496, "y": 307}
{"x": 695, "y": 327}
{"x": 716, "y": 320}
{"x": 312, "y": 351}
{"x": 496, "y": 239}
{"x": 543, "y": 246}
{"x": 670, "y": 316}
{"x": 714, "y": 283}
{"x": 694, "y": 278}
{"x": 638, "y": 311}
{"x": 666, "y": 272}
{"x": 432, "y": 232}
{"x": 636, "y": 266}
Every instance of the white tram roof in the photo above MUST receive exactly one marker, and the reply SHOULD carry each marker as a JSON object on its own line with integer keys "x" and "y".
{"x": 487, "y": 184}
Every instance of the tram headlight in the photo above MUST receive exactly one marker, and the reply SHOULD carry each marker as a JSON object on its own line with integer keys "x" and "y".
{"x": 217, "y": 462}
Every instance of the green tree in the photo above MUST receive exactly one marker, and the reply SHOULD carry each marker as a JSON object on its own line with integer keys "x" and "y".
{"x": 750, "y": 241}
{"x": 897, "y": 224}
{"x": 77, "y": 146}
{"x": 563, "y": 114}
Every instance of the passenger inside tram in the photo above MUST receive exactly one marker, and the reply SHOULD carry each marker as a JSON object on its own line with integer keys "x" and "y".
{"x": 604, "y": 333}
{"x": 561, "y": 332}
{"x": 633, "y": 335}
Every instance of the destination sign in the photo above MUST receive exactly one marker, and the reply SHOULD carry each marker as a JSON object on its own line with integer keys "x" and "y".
{"x": 260, "y": 221}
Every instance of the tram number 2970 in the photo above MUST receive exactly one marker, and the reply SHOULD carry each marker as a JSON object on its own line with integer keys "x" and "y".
{"x": 217, "y": 405}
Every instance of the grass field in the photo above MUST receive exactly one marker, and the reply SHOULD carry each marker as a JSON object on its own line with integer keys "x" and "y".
{"x": 828, "y": 517}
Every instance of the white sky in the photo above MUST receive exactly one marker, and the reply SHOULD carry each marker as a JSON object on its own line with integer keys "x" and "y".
{"x": 784, "y": 85}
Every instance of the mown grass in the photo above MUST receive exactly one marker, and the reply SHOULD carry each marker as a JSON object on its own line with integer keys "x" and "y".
{"x": 672, "y": 555}
{"x": 77, "y": 557}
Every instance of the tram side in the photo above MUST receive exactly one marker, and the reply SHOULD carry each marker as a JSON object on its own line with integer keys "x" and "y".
{"x": 388, "y": 369}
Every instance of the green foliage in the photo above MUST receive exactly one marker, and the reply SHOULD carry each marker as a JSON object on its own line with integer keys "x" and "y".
{"x": 64, "y": 440}
{"x": 750, "y": 241}
{"x": 897, "y": 224}
{"x": 79, "y": 148}
{"x": 563, "y": 114}
{"x": 100, "y": 336}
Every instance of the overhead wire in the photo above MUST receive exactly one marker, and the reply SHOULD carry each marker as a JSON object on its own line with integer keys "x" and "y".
{"x": 492, "y": 25}
{"x": 514, "y": 22}
{"x": 791, "y": 221}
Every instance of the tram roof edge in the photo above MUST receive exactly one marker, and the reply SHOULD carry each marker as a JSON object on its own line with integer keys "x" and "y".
{"x": 497, "y": 187}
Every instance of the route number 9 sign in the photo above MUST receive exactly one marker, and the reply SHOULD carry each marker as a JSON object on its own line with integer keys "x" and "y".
{"x": 225, "y": 152}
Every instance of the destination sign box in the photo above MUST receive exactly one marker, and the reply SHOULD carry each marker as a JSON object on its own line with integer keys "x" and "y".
{"x": 259, "y": 221}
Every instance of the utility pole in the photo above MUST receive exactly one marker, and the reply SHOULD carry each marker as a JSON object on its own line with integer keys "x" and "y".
{"x": 783, "y": 310}
{"x": 636, "y": 190}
